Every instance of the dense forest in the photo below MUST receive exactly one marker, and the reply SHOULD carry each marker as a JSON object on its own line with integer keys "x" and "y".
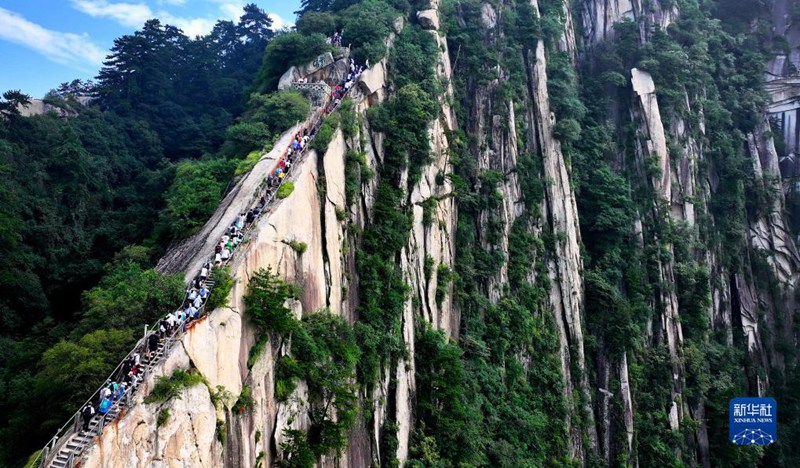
{"x": 94, "y": 194}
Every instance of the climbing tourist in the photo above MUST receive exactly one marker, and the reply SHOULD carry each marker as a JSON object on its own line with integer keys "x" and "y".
{"x": 106, "y": 391}
{"x": 134, "y": 377}
{"x": 152, "y": 345}
{"x": 127, "y": 365}
{"x": 105, "y": 406}
{"x": 119, "y": 391}
{"x": 87, "y": 413}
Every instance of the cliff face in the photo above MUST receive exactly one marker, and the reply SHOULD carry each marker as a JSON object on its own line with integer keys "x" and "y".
{"x": 665, "y": 154}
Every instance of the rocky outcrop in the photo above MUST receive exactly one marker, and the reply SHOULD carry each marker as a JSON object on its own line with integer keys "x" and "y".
{"x": 295, "y": 72}
{"x": 600, "y": 16}
{"x": 566, "y": 293}
{"x": 428, "y": 19}
{"x": 652, "y": 152}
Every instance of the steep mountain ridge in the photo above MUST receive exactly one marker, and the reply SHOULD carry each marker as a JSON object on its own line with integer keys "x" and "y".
{"x": 637, "y": 356}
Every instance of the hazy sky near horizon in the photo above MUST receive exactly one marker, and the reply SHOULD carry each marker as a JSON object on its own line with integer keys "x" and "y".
{"x": 46, "y": 42}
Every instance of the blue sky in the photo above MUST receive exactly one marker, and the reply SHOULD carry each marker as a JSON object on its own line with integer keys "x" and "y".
{"x": 46, "y": 42}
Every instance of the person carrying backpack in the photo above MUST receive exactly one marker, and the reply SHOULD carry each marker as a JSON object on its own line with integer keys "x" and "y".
{"x": 87, "y": 413}
{"x": 105, "y": 406}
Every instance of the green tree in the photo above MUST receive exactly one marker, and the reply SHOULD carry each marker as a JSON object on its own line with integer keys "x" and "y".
{"x": 195, "y": 193}
{"x": 284, "y": 51}
{"x": 265, "y": 302}
{"x": 72, "y": 370}
{"x": 279, "y": 111}
{"x": 316, "y": 22}
{"x": 365, "y": 27}
{"x": 130, "y": 296}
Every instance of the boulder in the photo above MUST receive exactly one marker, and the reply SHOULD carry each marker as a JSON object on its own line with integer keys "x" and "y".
{"x": 398, "y": 24}
{"x": 373, "y": 79}
{"x": 334, "y": 74}
{"x": 428, "y": 19}
{"x": 288, "y": 78}
{"x": 318, "y": 63}
{"x": 488, "y": 16}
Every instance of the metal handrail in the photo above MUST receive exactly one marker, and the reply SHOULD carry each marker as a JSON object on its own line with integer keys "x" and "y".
{"x": 53, "y": 446}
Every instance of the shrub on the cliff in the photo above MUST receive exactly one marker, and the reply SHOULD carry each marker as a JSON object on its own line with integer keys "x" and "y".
{"x": 221, "y": 431}
{"x": 444, "y": 275}
{"x": 223, "y": 283}
{"x": 285, "y": 190}
{"x": 264, "y": 301}
{"x": 245, "y": 401}
{"x": 567, "y": 130}
{"x": 299, "y": 247}
{"x": 316, "y": 22}
{"x": 163, "y": 417}
{"x": 172, "y": 386}
{"x": 325, "y": 353}
{"x": 279, "y": 111}
{"x": 366, "y": 26}
{"x": 325, "y": 134}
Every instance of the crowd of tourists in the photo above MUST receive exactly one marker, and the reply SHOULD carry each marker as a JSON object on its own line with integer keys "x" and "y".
{"x": 131, "y": 372}
{"x": 343, "y": 87}
{"x": 335, "y": 40}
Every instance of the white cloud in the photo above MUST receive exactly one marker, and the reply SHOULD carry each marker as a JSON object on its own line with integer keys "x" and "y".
{"x": 190, "y": 26}
{"x": 127, "y": 14}
{"x": 135, "y": 14}
{"x": 76, "y": 50}
{"x": 278, "y": 22}
{"x": 231, "y": 10}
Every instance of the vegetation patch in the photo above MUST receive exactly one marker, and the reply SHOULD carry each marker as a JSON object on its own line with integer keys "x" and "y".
{"x": 297, "y": 246}
{"x": 444, "y": 276}
{"x": 248, "y": 163}
{"x": 256, "y": 350}
{"x": 265, "y": 300}
{"x": 223, "y": 283}
{"x": 285, "y": 190}
{"x": 325, "y": 353}
{"x": 163, "y": 417}
{"x": 171, "y": 387}
{"x": 221, "y": 431}
{"x": 245, "y": 402}
{"x": 325, "y": 134}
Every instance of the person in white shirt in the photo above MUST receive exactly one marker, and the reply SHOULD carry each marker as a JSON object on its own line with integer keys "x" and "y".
{"x": 172, "y": 319}
{"x": 226, "y": 254}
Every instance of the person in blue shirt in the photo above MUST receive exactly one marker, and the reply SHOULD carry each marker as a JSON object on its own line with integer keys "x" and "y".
{"x": 105, "y": 406}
